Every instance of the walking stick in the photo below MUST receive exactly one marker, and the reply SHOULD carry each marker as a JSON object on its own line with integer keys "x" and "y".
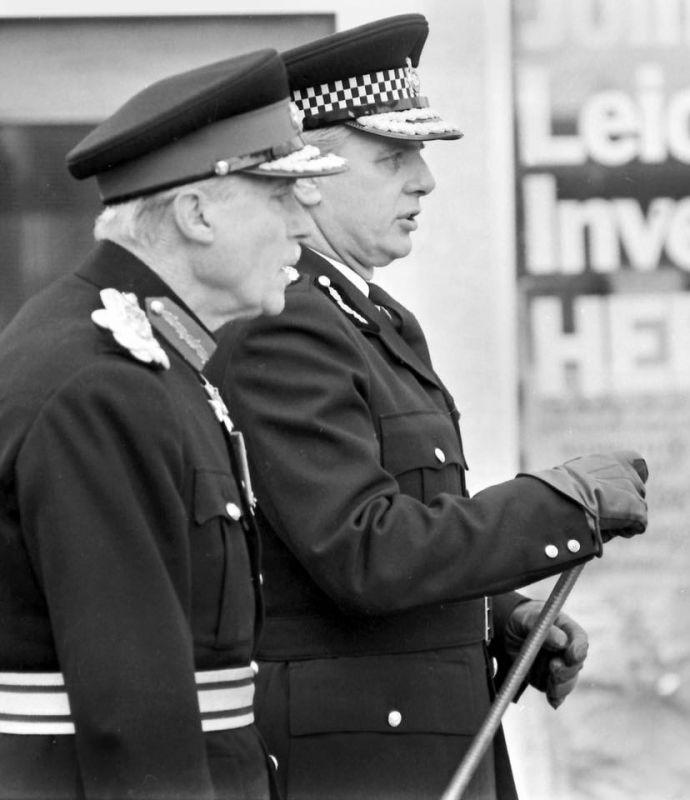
{"x": 514, "y": 679}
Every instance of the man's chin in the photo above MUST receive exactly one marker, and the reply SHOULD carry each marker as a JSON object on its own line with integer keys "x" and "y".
{"x": 274, "y": 306}
{"x": 400, "y": 249}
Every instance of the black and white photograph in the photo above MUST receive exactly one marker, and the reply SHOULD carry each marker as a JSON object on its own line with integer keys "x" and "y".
{"x": 345, "y": 400}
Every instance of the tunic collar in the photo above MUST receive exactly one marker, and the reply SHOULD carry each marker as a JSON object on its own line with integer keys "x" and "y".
{"x": 347, "y": 272}
{"x": 112, "y": 266}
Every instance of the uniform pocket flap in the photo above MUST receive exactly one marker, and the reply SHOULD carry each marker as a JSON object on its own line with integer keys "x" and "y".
{"x": 400, "y": 694}
{"x": 423, "y": 439}
{"x": 215, "y": 495}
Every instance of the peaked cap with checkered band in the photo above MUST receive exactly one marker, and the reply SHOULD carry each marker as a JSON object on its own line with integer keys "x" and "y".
{"x": 366, "y": 77}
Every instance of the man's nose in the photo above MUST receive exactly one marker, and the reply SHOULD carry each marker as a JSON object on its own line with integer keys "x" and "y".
{"x": 422, "y": 181}
{"x": 300, "y": 222}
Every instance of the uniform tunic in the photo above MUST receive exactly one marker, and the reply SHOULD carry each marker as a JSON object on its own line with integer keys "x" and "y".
{"x": 374, "y": 675}
{"x": 120, "y": 564}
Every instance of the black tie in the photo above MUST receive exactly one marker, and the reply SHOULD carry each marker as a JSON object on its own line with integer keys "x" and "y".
{"x": 382, "y": 301}
{"x": 404, "y": 321}
{"x": 410, "y": 332}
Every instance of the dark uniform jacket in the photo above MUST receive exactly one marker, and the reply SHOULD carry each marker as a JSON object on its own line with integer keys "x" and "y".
{"x": 374, "y": 673}
{"x": 120, "y": 566}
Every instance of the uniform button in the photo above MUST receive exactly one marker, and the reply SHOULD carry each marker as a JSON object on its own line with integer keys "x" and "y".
{"x": 551, "y": 550}
{"x": 274, "y": 760}
{"x": 157, "y": 307}
{"x": 324, "y": 280}
{"x": 233, "y": 511}
{"x": 261, "y": 579}
{"x": 574, "y": 546}
{"x": 394, "y": 719}
{"x": 440, "y": 455}
{"x": 254, "y": 667}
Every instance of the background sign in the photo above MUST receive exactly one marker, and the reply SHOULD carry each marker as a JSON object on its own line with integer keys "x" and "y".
{"x": 602, "y": 120}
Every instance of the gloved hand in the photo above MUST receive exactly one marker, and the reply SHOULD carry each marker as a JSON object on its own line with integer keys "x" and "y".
{"x": 557, "y": 665}
{"x": 609, "y": 486}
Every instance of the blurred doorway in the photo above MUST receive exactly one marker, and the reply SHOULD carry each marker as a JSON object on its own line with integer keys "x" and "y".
{"x": 61, "y": 77}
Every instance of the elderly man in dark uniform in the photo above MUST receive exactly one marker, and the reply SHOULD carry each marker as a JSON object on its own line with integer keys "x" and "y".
{"x": 376, "y": 656}
{"x": 129, "y": 577}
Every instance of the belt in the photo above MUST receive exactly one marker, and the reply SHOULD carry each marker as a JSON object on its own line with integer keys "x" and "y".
{"x": 37, "y": 703}
{"x": 331, "y": 633}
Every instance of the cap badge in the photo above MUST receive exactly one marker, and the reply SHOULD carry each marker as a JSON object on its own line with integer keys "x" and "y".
{"x": 412, "y": 78}
{"x": 130, "y": 327}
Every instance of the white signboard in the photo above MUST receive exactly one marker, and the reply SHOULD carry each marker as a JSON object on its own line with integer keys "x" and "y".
{"x": 602, "y": 120}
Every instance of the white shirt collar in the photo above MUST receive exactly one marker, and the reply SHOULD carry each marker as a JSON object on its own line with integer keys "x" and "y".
{"x": 356, "y": 280}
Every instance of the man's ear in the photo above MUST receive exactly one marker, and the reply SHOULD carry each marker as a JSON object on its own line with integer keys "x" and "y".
{"x": 307, "y": 191}
{"x": 190, "y": 209}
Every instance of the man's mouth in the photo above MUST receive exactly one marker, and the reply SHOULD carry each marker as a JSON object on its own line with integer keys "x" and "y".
{"x": 411, "y": 217}
{"x": 409, "y": 220}
{"x": 290, "y": 272}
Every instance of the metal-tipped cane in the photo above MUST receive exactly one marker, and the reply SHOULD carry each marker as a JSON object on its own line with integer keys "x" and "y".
{"x": 516, "y": 676}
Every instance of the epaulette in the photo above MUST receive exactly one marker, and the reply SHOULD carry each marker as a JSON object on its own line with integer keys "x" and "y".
{"x": 339, "y": 297}
{"x": 180, "y": 331}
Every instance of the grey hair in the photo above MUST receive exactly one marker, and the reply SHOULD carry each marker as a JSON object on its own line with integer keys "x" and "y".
{"x": 140, "y": 220}
{"x": 329, "y": 139}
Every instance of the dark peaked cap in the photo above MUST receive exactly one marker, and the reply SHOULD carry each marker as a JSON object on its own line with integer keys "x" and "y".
{"x": 368, "y": 48}
{"x": 365, "y": 77}
{"x": 229, "y": 116}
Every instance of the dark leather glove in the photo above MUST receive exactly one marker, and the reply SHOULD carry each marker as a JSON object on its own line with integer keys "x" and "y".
{"x": 609, "y": 486}
{"x": 556, "y": 668}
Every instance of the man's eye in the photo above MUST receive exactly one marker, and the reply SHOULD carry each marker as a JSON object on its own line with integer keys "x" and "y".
{"x": 393, "y": 160}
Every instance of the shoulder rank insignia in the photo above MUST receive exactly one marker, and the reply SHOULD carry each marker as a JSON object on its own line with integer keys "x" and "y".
{"x": 180, "y": 331}
{"x": 123, "y": 316}
{"x": 324, "y": 283}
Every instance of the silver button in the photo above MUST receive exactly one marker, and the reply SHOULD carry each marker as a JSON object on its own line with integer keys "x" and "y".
{"x": 157, "y": 307}
{"x": 440, "y": 455}
{"x": 221, "y": 168}
{"x": 254, "y": 667}
{"x": 324, "y": 280}
{"x": 574, "y": 546}
{"x": 274, "y": 760}
{"x": 551, "y": 550}
{"x": 394, "y": 719}
{"x": 261, "y": 579}
{"x": 233, "y": 511}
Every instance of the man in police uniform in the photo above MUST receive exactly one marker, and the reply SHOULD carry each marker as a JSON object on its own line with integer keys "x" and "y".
{"x": 129, "y": 601}
{"x": 374, "y": 672}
